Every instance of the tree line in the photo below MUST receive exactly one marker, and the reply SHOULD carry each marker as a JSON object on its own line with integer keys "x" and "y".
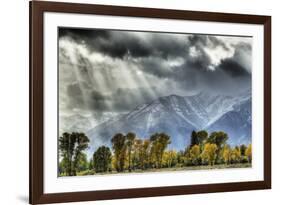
{"x": 129, "y": 153}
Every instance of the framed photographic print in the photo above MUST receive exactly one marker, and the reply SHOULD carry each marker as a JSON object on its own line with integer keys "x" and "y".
{"x": 139, "y": 102}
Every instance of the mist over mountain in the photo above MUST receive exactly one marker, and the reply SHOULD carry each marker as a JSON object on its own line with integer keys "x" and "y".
{"x": 179, "y": 115}
{"x": 74, "y": 123}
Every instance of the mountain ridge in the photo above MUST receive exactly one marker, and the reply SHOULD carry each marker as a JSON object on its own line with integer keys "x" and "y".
{"x": 179, "y": 115}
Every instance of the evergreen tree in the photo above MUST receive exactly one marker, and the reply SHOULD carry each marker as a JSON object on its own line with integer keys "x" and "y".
{"x": 243, "y": 149}
{"x": 193, "y": 139}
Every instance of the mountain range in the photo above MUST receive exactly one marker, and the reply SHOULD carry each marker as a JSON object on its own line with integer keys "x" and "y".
{"x": 178, "y": 116}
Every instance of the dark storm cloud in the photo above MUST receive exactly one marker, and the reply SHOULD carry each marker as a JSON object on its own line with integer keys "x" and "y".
{"x": 233, "y": 68}
{"x": 108, "y": 42}
{"x": 82, "y": 34}
{"x": 119, "y": 44}
{"x": 124, "y": 45}
{"x": 166, "y": 46}
{"x": 169, "y": 63}
{"x": 193, "y": 76}
{"x": 243, "y": 55}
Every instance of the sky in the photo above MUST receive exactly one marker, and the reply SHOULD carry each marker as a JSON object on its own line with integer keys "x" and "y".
{"x": 111, "y": 71}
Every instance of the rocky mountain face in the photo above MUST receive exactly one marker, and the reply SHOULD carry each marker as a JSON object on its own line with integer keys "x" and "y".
{"x": 178, "y": 116}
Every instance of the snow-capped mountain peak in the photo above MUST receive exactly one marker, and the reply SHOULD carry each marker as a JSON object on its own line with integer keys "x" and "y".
{"x": 179, "y": 115}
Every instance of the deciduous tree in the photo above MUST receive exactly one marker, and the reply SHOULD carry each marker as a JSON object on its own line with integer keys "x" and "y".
{"x": 136, "y": 158}
{"x": 248, "y": 153}
{"x": 218, "y": 138}
{"x": 82, "y": 163}
{"x": 226, "y": 154}
{"x": 235, "y": 155}
{"x": 202, "y": 136}
{"x": 144, "y": 154}
{"x": 130, "y": 138}
{"x": 195, "y": 154}
{"x": 71, "y": 146}
{"x": 209, "y": 153}
{"x": 159, "y": 142}
{"x": 170, "y": 158}
{"x": 102, "y": 159}
{"x": 119, "y": 148}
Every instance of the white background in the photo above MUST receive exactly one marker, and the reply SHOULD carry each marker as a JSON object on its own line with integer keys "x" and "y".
{"x": 14, "y": 101}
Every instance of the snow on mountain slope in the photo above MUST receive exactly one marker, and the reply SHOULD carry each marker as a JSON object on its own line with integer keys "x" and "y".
{"x": 237, "y": 123}
{"x": 178, "y": 116}
{"x": 144, "y": 121}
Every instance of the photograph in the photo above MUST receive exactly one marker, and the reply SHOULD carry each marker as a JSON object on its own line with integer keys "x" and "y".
{"x": 130, "y": 102}
{"x": 149, "y": 101}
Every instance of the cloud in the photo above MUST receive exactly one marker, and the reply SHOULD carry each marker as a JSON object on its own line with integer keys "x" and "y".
{"x": 108, "y": 42}
{"x": 233, "y": 68}
{"x": 75, "y": 97}
{"x": 81, "y": 35}
{"x": 115, "y": 71}
{"x": 121, "y": 100}
{"x": 119, "y": 44}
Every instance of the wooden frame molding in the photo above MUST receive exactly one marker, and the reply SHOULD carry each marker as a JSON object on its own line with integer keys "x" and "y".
{"x": 37, "y": 8}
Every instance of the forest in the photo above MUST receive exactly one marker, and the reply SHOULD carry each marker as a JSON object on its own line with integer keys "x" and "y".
{"x": 128, "y": 153}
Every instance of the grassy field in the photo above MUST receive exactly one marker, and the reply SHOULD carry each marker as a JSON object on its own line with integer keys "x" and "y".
{"x": 221, "y": 166}
{"x": 187, "y": 168}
